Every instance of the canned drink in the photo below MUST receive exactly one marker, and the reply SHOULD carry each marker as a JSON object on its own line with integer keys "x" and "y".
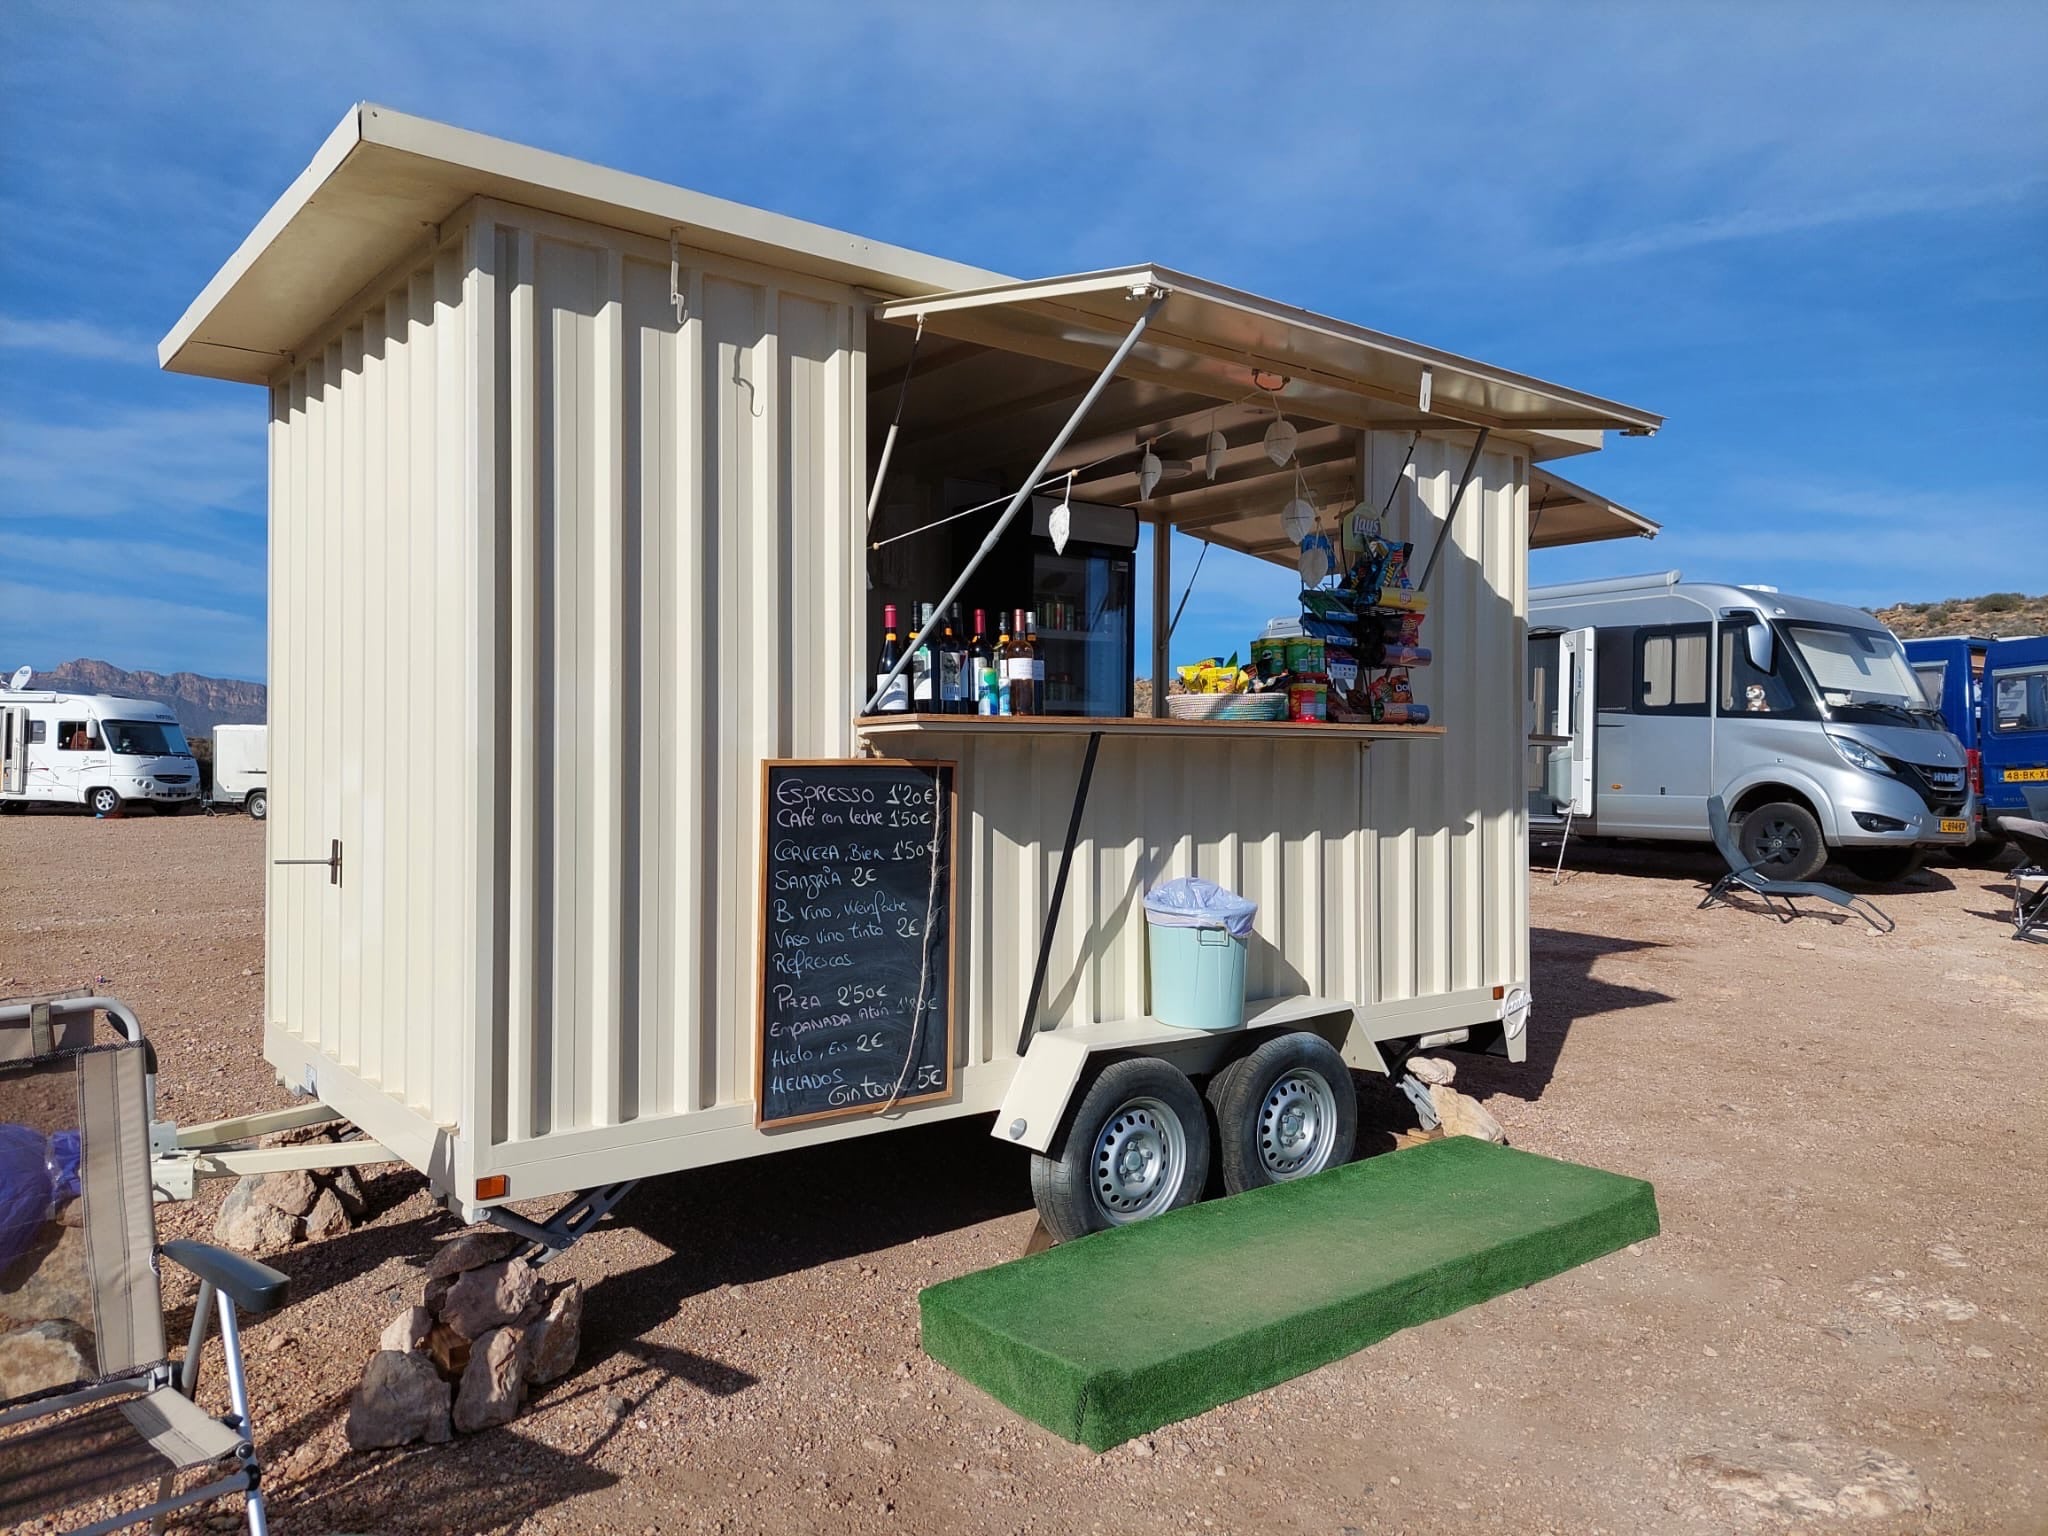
{"x": 1305, "y": 656}
{"x": 1308, "y": 703}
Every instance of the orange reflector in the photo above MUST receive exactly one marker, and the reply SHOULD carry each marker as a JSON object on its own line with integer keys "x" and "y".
{"x": 1499, "y": 993}
{"x": 497, "y": 1186}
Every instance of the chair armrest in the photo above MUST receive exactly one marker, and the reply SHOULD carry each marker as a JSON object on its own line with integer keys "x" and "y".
{"x": 251, "y": 1286}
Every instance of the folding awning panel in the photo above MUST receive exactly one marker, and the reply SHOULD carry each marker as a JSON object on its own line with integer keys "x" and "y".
{"x": 1563, "y": 513}
{"x": 1212, "y": 340}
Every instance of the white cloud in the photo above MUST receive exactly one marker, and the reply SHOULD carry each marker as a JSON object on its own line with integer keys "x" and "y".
{"x": 75, "y": 338}
{"x": 45, "y": 626}
{"x": 230, "y": 568}
{"x": 141, "y": 462}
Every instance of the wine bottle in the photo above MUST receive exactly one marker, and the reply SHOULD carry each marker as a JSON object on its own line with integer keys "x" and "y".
{"x": 1018, "y": 669}
{"x": 981, "y": 667}
{"x": 1005, "y": 697}
{"x": 895, "y": 696}
{"x": 952, "y": 659}
{"x": 921, "y": 680}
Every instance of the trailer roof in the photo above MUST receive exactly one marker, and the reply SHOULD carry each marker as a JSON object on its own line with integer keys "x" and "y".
{"x": 385, "y": 179}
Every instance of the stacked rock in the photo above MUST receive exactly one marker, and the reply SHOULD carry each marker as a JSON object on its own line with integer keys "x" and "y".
{"x": 268, "y": 1212}
{"x": 489, "y": 1327}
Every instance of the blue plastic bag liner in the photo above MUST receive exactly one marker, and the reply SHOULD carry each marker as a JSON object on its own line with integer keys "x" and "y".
{"x": 1190, "y": 903}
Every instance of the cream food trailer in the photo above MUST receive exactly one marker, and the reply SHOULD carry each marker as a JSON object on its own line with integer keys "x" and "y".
{"x": 588, "y": 490}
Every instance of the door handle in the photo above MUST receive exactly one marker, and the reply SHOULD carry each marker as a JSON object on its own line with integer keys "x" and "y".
{"x": 332, "y": 861}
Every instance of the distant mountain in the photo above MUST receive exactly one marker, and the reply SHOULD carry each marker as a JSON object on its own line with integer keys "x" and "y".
{"x": 200, "y": 703}
{"x": 1993, "y": 615}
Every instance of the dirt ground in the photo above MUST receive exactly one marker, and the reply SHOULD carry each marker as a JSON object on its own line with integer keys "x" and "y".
{"x": 1843, "y": 1326}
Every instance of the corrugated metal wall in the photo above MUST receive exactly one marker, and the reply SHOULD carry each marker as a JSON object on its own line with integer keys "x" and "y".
{"x": 1246, "y": 814}
{"x": 548, "y": 588}
{"x": 1447, "y": 815}
{"x": 678, "y": 509}
{"x": 370, "y": 619}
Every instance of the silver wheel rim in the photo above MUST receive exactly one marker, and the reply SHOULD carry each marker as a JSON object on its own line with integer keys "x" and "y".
{"x": 1297, "y": 1126}
{"x": 1139, "y": 1163}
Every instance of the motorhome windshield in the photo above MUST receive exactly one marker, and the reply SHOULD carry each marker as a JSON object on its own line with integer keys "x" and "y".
{"x": 145, "y": 738}
{"x": 1861, "y": 672}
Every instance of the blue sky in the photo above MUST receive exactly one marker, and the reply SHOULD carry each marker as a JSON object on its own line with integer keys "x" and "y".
{"x": 1814, "y": 236}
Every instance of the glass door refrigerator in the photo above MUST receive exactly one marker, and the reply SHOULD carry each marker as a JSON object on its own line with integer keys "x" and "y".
{"x": 1086, "y": 620}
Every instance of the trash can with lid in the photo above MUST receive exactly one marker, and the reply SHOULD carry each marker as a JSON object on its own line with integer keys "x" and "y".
{"x": 1195, "y": 933}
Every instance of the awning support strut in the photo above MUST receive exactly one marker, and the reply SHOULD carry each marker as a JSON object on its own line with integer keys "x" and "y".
{"x": 1024, "y": 490}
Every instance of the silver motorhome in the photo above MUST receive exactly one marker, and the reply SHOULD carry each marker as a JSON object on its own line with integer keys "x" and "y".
{"x": 1651, "y": 693}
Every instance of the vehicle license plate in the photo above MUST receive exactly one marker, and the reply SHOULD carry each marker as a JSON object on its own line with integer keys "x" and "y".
{"x": 1954, "y": 824}
{"x": 2026, "y": 775}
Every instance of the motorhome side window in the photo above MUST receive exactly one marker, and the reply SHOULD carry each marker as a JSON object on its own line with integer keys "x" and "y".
{"x": 1614, "y": 669}
{"x": 2020, "y": 699}
{"x": 1744, "y": 689}
{"x": 1671, "y": 670}
{"x": 77, "y": 736}
{"x": 36, "y": 732}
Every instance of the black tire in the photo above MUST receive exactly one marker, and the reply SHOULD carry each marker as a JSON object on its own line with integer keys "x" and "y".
{"x": 1137, "y": 1146}
{"x": 257, "y": 805}
{"x": 102, "y": 801}
{"x": 1881, "y": 866}
{"x": 1284, "y": 1110}
{"x": 1981, "y": 854}
{"x": 1783, "y": 840}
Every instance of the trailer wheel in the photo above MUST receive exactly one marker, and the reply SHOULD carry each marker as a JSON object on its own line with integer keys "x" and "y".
{"x": 102, "y": 801}
{"x": 258, "y": 805}
{"x": 1283, "y": 1111}
{"x": 1782, "y": 840}
{"x": 1138, "y": 1146}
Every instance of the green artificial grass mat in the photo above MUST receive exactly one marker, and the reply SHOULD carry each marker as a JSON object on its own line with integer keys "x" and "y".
{"x": 1120, "y": 1332}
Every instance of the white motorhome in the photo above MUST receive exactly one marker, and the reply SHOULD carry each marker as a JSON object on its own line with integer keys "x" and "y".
{"x": 92, "y": 749}
{"x": 241, "y": 763}
{"x": 1652, "y": 693}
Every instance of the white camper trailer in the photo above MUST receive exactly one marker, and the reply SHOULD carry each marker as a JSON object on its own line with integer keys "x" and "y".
{"x": 92, "y": 749}
{"x": 241, "y": 765}
{"x": 610, "y": 461}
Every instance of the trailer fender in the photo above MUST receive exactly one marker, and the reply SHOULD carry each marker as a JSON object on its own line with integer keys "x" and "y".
{"x": 1035, "y": 1106}
{"x": 1037, "y": 1099}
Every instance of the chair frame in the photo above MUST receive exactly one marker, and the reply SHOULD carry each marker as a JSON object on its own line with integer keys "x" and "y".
{"x": 230, "y": 1284}
{"x": 2029, "y": 907}
{"x": 1778, "y": 896}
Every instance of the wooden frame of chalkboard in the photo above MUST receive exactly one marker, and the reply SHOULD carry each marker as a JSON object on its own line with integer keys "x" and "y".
{"x": 945, "y": 775}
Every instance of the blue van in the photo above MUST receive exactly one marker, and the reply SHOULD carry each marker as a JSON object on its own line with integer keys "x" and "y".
{"x": 1993, "y": 695}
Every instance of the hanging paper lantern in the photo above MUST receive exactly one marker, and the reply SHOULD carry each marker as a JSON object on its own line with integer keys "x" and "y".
{"x": 1280, "y": 440}
{"x": 1298, "y": 518}
{"x": 1149, "y": 472}
{"x": 1213, "y": 450}
{"x": 1317, "y": 561}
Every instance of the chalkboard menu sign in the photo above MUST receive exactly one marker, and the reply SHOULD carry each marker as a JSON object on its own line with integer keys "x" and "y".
{"x": 857, "y": 940}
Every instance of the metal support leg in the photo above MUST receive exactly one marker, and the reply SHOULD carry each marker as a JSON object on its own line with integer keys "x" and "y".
{"x": 1557, "y": 875}
{"x": 1418, "y": 1095}
{"x": 553, "y": 1238}
{"x": 1059, "y": 895}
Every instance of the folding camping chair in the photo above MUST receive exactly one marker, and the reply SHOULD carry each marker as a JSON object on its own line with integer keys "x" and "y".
{"x": 1744, "y": 876}
{"x": 2030, "y": 880}
{"x": 83, "y": 1361}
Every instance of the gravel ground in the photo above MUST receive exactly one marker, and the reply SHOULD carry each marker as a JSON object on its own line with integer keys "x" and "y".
{"x": 1843, "y": 1325}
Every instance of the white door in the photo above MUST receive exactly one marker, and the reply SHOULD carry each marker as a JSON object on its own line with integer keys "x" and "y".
{"x": 13, "y": 750}
{"x": 1576, "y": 720}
